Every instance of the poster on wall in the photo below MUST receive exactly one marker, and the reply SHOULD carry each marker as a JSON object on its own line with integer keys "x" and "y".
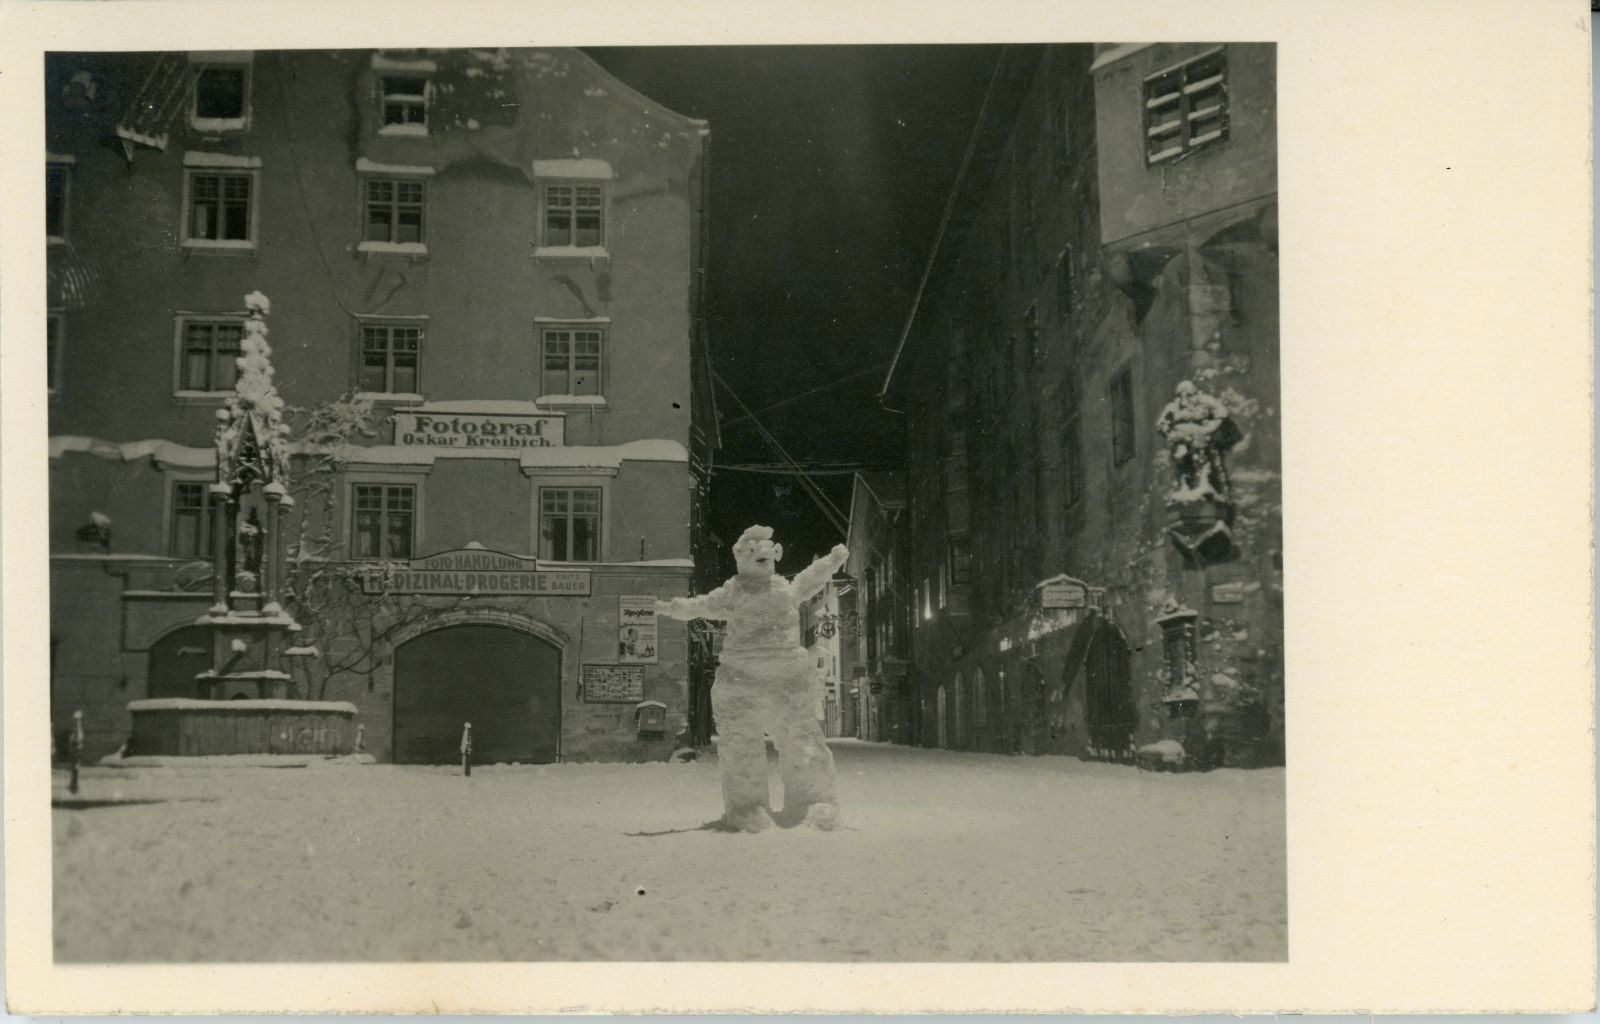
{"x": 613, "y": 684}
{"x": 636, "y": 629}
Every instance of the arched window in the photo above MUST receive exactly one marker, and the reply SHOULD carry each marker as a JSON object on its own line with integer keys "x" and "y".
{"x": 959, "y": 733}
{"x": 980, "y": 698}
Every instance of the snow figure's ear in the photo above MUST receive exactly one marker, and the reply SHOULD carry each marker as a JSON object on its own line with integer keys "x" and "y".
{"x": 777, "y": 553}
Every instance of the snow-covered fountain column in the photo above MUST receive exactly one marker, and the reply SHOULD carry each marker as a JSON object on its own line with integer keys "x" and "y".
{"x": 244, "y": 703}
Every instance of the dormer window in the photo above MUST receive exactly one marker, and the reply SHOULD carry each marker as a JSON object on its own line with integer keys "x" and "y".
{"x": 221, "y": 97}
{"x": 405, "y": 105}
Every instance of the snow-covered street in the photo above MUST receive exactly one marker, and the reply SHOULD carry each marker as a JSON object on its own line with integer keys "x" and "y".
{"x": 944, "y": 856}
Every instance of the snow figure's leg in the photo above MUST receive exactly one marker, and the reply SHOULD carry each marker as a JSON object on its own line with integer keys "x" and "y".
{"x": 805, "y": 763}
{"x": 741, "y": 749}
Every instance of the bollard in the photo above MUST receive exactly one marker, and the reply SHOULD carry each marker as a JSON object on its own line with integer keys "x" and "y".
{"x": 466, "y": 748}
{"x": 75, "y": 746}
{"x": 361, "y": 738}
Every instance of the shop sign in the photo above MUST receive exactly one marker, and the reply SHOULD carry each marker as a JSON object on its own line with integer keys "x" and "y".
{"x": 1228, "y": 593}
{"x": 636, "y": 629}
{"x": 476, "y": 571}
{"x": 1063, "y": 593}
{"x": 613, "y": 684}
{"x": 476, "y": 431}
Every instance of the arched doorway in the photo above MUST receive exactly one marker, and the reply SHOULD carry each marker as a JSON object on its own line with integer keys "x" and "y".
{"x": 175, "y": 660}
{"x": 944, "y": 721}
{"x": 507, "y": 683}
{"x": 1109, "y": 709}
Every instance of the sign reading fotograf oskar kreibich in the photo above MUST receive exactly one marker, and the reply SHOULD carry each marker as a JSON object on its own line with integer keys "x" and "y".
{"x": 476, "y": 430}
{"x": 476, "y": 571}
{"x": 636, "y": 629}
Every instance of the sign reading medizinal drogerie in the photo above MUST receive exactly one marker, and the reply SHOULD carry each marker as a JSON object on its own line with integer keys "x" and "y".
{"x": 477, "y": 430}
{"x": 476, "y": 571}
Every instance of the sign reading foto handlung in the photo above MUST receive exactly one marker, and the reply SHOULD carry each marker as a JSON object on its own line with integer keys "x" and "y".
{"x": 636, "y": 629}
{"x": 476, "y": 430}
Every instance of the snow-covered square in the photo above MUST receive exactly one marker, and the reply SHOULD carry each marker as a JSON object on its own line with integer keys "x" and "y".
{"x": 944, "y": 856}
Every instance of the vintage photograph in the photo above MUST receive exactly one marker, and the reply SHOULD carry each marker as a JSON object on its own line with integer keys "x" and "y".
{"x": 716, "y": 503}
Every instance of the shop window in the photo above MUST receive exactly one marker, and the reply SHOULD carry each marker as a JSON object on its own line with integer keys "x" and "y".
{"x": 191, "y": 520}
{"x": 1186, "y": 107}
{"x": 209, "y": 361}
{"x": 55, "y": 201}
{"x": 391, "y": 357}
{"x": 221, "y": 97}
{"x": 572, "y": 360}
{"x": 569, "y": 524}
{"x": 394, "y": 211}
{"x": 574, "y": 216}
{"x": 405, "y": 105}
{"x": 384, "y": 524}
{"x": 220, "y": 209}
{"x": 1122, "y": 418}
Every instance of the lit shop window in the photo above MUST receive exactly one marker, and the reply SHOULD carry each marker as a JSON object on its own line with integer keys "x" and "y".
{"x": 391, "y": 355}
{"x": 210, "y": 354}
{"x": 191, "y": 520}
{"x": 220, "y": 98}
{"x": 405, "y": 105}
{"x": 219, "y": 209}
{"x": 1186, "y": 107}
{"x": 55, "y": 201}
{"x": 569, "y": 524}
{"x": 384, "y": 521}
{"x": 574, "y": 215}
{"x": 394, "y": 210}
{"x": 572, "y": 360}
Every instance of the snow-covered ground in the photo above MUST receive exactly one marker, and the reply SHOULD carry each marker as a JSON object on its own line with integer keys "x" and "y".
{"x": 945, "y": 856}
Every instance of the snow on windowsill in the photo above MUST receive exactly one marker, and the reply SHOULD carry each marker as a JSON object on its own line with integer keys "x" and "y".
{"x": 194, "y": 158}
{"x": 220, "y": 245}
{"x": 201, "y": 397}
{"x": 486, "y": 406}
{"x": 396, "y": 397}
{"x": 417, "y": 65}
{"x": 220, "y": 124}
{"x": 582, "y": 400}
{"x": 365, "y": 166}
{"x": 571, "y": 252}
{"x": 191, "y": 704}
{"x": 583, "y": 167}
{"x": 393, "y": 248}
{"x": 572, "y": 319}
{"x": 415, "y": 131}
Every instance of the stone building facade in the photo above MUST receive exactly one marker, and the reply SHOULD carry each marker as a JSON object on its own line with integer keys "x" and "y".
{"x": 1091, "y": 384}
{"x": 485, "y": 273}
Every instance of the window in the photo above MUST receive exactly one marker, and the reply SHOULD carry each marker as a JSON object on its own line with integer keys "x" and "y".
{"x": 191, "y": 520}
{"x": 219, "y": 97}
{"x": 569, "y": 524}
{"x": 1030, "y": 331}
{"x": 1186, "y": 107}
{"x": 52, "y": 352}
{"x": 384, "y": 521}
{"x": 980, "y": 698}
{"x": 960, "y": 561}
{"x": 1061, "y": 136}
{"x": 1064, "y": 286}
{"x": 55, "y": 201}
{"x": 219, "y": 209}
{"x": 394, "y": 210}
{"x": 572, "y": 360}
{"x": 405, "y": 105}
{"x": 1122, "y": 418}
{"x": 574, "y": 215}
{"x": 1071, "y": 446}
{"x": 210, "y": 354}
{"x": 390, "y": 354}
{"x": 925, "y": 598}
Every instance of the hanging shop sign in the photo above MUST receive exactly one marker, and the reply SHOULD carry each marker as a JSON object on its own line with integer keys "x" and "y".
{"x": 1063, "y": 592}
{"x": 476, "y": 431}
{"x": 613, "y": 684}
{"x": 476, "y": 571}
{"x": 636, "y": 629}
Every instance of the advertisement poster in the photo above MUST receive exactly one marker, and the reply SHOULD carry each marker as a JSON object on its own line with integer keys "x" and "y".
{"x": 636, "y": 629}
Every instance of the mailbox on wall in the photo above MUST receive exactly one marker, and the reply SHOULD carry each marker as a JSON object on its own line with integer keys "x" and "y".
{"x": 652, "y": 716}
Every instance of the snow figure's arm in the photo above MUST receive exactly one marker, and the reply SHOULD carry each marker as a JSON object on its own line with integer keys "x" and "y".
{"x": 810, "y": 580}
{"x": 715, "y": 605}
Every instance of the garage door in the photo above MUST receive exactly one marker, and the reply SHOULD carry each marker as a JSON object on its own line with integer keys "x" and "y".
{"x": 505, "y": 682}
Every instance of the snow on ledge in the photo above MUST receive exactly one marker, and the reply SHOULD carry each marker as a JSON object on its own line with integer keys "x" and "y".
{"x": 191, "y": 704}
{"x": 572, "y": 319}
{"x": 194, "y": 158}
{"x": 401, "y": 397}
{"x": 365, "y": 166}
{"x": 485, "y": 406}
{"x": 563, "y": 456}
{"x": 572, "y": 252}
{"x": 394, "y": 248}
{"x": 599, "y": 400}
{"x": 416, "y": 65}
{"x": 164, "y": 452}
{"x": 582, "y": 167}
{"x": 416, "y": 130}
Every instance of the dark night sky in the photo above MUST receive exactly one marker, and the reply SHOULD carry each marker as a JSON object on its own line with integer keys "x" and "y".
{"x": 830, "y": 168}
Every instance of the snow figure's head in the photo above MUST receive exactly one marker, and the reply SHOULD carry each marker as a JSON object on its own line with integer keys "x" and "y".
{"x": 755, "y": 554}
